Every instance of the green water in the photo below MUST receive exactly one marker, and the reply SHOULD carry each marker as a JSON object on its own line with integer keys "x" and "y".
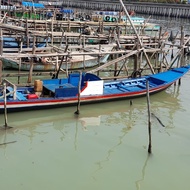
{"x": 105, "y": 147}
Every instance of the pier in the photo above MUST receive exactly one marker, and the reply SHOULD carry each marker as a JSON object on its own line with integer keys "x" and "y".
{"x": 67, "y": 39}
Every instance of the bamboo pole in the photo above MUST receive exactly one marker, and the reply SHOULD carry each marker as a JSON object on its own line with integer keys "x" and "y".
{"x": 5, "y": 105}
{"x": 83, "y": 45}
{"x": 149, "y": 118}
{"x": 138, "y": 37}
{"x": 27, "y": 32}
{"x": 182, "y": 47}
{"x": 1, "y": 41}
{"x": 1, "y": 68}
{"x": 32, "y": 61}
{"x": 79, "y": 91}
{"x": 52, "y": 31}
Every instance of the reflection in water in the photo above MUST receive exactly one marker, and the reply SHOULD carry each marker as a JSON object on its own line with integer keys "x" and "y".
{"x": 71, "y": 135}
{"x": 92, "y": 148}
{"x": 127, "y": 118}
{"x": 63, "y": 118}
{"x": 138, "y": 182}
{"x": 88, "y": 121}
{"x": 4, "y": 141}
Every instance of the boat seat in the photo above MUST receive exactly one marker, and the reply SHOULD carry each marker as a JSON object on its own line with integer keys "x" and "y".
{"x": 141, "y": 86}
{"x": 119, "y": 86}
{"x": 19, "y": 95}
{"x": 53, "y": 87}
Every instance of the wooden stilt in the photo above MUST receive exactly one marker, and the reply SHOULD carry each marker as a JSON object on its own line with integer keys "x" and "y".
{"x": 149, "y": 118}
{"x": 32, "y": 61}
{"x": 27, "y": 33}
{"x": 1, "y": 71}
{"x": 1, "y": 42}
{"x": 79, "y": 91}
{"x": 179, "y": 82}
{"x": 5, "y": 105}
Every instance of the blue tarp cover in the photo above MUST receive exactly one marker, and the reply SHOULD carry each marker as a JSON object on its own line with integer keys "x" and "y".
{"x": 30, "y": 4}
{"x": 66, "y": 11}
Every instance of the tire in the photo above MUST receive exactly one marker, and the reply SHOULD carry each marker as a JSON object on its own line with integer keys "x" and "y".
{"x": 88, "y": 17}
{"x": 113, "y": 19}
{"x": 107, "y": 18}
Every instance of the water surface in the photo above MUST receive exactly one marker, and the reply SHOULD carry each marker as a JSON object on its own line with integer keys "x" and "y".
{"x": 104, "y": 148}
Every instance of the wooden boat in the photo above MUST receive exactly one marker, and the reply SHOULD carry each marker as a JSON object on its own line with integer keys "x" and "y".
{"x": 85, "y": 87}
{"x": 12, "y": 42}
{"x": 52, "y": 63}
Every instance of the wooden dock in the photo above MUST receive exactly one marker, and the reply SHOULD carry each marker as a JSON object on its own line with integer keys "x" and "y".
{"x": 67, "y": 39}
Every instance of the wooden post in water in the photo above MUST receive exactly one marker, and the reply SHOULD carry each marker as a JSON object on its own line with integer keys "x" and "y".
{"x": 27, "y": 31}
{"x": 1, "y": 67}
{"x": 149, "y": 118}
{"x": 98, "y": 73}
{"x": 136, "y": 60}
{"x": 5, "y": 105}
{"x": 61, "y": 41}
{"x": 79, "y": 91}
{"x": 52, "y": 31}
{"x": 67, "y": 68}
{"x": 83, "y": 46}
{"x": 32, "y": 61}
{"x": 182, "y": 44}
{"x": 138, "y": 37}
{"x": 20, "y": 59}
{"x": 1, "y": 42}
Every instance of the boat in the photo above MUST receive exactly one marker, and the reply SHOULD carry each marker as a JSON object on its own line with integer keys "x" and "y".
{"x": 84, "y": 88}
{"x": 112, "y": 16}
{"x": 12, "y": 42}
{"x": 52, "y": 63}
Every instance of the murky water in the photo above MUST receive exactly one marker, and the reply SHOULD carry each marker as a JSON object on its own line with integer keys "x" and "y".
{"x": 105, "y": 147}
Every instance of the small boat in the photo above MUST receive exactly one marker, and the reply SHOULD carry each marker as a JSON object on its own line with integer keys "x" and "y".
{"x": 52, "y": 63}
{"x": 83, "y": 87}
{"x": 49, "y": 64}
{"x": 12, "y": 42}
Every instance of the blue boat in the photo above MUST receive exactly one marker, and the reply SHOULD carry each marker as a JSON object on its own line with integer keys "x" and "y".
{"x": 84, "y": 88}
{"x": 12, "y": 42}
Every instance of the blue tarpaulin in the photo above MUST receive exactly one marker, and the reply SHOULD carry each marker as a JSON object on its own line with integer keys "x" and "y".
{"x": 30, "y": 4}
{"x": 66, "y": 11}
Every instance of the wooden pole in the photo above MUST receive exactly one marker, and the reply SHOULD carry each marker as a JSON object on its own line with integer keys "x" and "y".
{"x": 79, "y": 91}
{"x": 1, "y": 68}
{"x": 136, "y": 59}
{"x": 27, "y": 31}
{"x": 182, "y": 61}
{"x": 5, "y": 105}
{"x": 20, "y": 61}
{"x": 83, "y": 45}
{"x": 138, "y": 37}
{"x": 98, "y": 73}
{"x": 1, "y": 42}
{"x": 149, "y": 118}
{"x": 61, "y": 41}
{"x": 67, "y": 68}
{"x": 32, "y": 61}
{"x": 52, "y": 31}
{"x": 19, "y": 68}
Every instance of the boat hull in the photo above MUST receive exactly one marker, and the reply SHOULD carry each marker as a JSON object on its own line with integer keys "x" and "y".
{"x": 77, "y": 63}
{"x": 64, "y": 102}
{"x": 53, "y": 93}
